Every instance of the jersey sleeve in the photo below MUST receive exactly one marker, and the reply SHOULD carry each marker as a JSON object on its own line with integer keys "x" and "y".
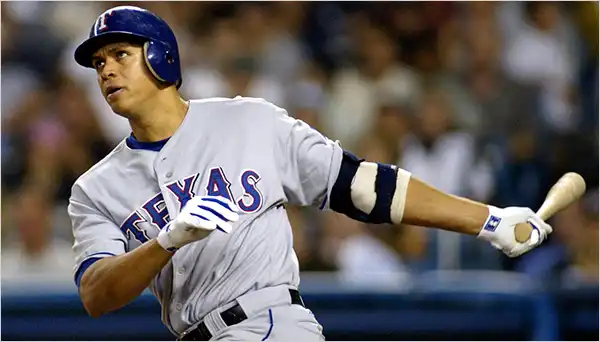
{"x": 95, "y": 236}
{"x": 308, "y": 161}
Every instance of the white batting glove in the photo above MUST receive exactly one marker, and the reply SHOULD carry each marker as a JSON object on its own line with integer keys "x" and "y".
{"x": 199, "y": 217}
{"x": 499, "y": 229}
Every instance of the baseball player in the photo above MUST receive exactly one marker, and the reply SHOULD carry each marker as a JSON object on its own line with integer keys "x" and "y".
{"x": 191, "y": 204}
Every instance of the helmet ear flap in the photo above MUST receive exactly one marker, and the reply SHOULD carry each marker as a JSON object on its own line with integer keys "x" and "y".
{"x": 150, "y": 57}
{"x": 161, "y": 62}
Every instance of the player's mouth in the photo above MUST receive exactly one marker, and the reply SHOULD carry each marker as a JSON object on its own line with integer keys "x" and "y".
{"x": 112, "y": 92}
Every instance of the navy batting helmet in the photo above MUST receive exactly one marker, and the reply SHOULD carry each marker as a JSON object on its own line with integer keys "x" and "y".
{"x": 127, "y": 23}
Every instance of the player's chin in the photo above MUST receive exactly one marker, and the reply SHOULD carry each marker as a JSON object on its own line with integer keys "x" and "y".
{"x": 119, "y": 107}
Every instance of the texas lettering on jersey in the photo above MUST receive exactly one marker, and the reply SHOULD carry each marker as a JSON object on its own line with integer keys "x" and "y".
{"x": 157, "y": 215}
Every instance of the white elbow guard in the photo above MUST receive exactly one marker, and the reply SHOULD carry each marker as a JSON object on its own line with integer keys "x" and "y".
{"x": 370, "y": 192}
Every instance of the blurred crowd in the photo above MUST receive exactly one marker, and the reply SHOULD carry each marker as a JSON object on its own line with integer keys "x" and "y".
{"x": 492, "y": 101}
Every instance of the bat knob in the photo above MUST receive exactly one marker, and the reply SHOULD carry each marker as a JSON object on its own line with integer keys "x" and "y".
{"x": 523, "y": 232}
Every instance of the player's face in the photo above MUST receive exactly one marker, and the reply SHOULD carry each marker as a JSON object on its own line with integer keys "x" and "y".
{"x": 124, "y": 79}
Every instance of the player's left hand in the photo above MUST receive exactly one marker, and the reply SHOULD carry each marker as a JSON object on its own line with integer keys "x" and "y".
{"x": 200, "y": 216}
{"x": 499, "y": 230}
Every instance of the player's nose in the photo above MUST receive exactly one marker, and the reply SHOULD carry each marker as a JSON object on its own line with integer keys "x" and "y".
{"x": 109, "y": 69}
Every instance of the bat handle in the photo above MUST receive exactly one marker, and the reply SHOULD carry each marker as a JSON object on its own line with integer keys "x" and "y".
{"x": 523, "y": 230}
{"x": 544, "y": 212}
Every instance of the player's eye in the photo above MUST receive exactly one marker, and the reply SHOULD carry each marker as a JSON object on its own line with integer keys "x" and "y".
{"x": 122, "y": 54}
{"x": 97, "y": 64}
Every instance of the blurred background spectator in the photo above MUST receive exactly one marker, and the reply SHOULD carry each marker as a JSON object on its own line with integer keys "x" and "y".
{"x": 484, "y": 100}
{"x": 493, "y": 101}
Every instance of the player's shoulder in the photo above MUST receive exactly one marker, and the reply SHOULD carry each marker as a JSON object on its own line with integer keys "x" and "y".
{"x": 239, "y": 105}
{"x": 101, "y": 168}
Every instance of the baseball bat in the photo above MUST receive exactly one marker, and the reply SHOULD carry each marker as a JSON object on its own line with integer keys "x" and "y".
{"x": 568, "y": 189}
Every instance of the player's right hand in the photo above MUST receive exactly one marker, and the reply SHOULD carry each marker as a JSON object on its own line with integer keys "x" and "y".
{"x": 199, "y": 217}
{"x": 499, "y": 230}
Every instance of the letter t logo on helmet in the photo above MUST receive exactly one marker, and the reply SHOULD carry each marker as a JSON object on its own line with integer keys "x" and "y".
{"x": 125, "y": 23}
{"x": 101, "y": 22}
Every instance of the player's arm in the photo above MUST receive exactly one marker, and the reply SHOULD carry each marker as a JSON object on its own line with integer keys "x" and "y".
{"x": 107, "y": 275}
{"x": 380, "y": 193}
{"x": 429, "y": 207}
{"x": 112, "y": 282}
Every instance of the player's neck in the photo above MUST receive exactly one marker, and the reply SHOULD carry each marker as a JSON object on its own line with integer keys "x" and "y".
{"x": 160, "y": 119}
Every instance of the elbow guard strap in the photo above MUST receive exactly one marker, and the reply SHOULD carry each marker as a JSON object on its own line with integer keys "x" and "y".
{"x": 369, "y": 192}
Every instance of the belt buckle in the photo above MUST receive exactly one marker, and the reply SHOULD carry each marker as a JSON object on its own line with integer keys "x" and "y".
{"x": 185, "y": 333}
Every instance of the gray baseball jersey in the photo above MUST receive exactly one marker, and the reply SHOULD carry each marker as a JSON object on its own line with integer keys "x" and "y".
{"x": 245, "y": 149}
